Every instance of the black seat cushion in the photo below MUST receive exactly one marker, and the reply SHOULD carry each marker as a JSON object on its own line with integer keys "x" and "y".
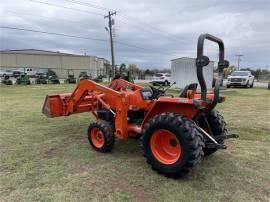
{"x": 192, "y": 86}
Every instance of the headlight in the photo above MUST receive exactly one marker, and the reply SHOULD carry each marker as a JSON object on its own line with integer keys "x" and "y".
{"x": 244, "y": 79}
{"x": 229, "y": 79}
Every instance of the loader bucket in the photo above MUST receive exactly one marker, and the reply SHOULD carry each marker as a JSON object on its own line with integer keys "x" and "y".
{"x": 54, "y": 105}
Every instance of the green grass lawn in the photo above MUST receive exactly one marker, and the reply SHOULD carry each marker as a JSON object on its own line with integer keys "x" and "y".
{"x": 46, "y": 159}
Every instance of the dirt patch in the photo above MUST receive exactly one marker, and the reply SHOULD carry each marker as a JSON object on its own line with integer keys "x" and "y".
{"x": 262, "y": 194}
{"x": 139, "y": 193}
{"x": 58, "y": 149}
{"x": 4, "y": 194}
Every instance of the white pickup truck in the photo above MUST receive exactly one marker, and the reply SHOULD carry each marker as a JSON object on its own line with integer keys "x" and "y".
{"x": 241, "y": 78}
{"x": 28, "y": 71}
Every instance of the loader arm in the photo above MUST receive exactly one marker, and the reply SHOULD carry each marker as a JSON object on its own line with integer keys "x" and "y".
{"x": 87, "y": 97}
{"x": 85, "y": 88}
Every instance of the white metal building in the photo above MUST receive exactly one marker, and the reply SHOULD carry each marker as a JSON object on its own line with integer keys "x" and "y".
{"x": 183, "y": 72}
{"x": 41, "y": 60}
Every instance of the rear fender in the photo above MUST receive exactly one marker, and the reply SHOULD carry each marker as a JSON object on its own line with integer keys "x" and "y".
{"x": 182, "y": 106}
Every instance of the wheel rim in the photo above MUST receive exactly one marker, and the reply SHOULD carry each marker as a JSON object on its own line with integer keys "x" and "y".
{"x": 165, "y": 146}
{"x": 97, "y": 137}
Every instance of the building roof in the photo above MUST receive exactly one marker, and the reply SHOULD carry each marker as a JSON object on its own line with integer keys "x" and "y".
{"x": 34, "y": 51}
{"x": 186, "y": 58}
{"x": 46, "y": 52}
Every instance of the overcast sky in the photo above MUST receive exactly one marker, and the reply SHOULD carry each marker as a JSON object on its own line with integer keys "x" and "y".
{"x": 155, "y": 31}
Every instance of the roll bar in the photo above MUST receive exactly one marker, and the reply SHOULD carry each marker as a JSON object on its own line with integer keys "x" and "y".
{"x": 202, "y": 61}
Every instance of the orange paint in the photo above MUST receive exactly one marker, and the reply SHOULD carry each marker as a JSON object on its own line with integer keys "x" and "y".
{"x": 121, "y": 97}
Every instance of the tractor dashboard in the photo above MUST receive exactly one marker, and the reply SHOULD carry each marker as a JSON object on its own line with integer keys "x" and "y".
{"x": 146, "y": 94}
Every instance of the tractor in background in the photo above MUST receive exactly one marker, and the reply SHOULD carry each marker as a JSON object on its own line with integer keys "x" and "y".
{"x": 98, "y": 79}
{"x": 41, "y": 78}
{"x": 23, "y": 79}
{"x": 6, "y": 80}
{"x": 71, "y": 77}
{"x": 85, "y": 76}
{"x": 53, "y": 79}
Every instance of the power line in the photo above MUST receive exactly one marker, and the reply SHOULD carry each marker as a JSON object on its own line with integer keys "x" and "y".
{"x": 89, "y": 5}
{"x": 124, "y": 16}
{"x": 108, "y": 9}
{"x": 75, "y": 36}
{"x": 41, "y": 16}
{"x": 60, "y": 6}
{"x": 56, "y": 5}
{"x": 52, "y": 33}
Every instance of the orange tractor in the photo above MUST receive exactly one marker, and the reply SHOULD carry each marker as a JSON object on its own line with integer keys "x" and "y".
{"x": 176, "y": 131}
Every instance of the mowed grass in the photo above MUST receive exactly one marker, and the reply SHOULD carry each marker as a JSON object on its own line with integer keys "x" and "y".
{"x": 46, "y": 159}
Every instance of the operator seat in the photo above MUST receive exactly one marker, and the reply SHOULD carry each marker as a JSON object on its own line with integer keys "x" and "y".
{"x": 192, "y": 87}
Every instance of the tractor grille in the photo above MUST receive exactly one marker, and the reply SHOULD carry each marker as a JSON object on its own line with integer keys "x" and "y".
{"x": 236, "y": 79}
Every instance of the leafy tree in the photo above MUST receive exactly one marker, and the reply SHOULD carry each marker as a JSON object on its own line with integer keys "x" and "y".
{"x": 228, "y": 71}
{"x": 132, "y": 68}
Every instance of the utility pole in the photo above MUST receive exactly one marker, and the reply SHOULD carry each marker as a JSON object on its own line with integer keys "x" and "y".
{"x": 239, "y": 59}
{"x": 110, "y": 14}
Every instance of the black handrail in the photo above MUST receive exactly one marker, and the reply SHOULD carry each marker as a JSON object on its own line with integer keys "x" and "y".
{"x": 202, "y": 61}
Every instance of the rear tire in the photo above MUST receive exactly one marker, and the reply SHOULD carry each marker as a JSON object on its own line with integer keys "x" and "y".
{"x": 101, "y": 136}
{"x": 218, "y": 128}
{"x": 172, "y": 145}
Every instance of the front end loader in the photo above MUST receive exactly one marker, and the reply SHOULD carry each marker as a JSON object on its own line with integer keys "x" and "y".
{"x": 176, "y": 131}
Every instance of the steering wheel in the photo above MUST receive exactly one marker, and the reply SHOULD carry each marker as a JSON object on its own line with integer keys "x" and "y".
{"x": 157, "y": 92}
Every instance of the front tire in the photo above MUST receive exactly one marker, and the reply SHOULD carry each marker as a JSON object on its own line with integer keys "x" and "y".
{"x": 172, "y": 145}
{"x": 247, "y": 85}
{"x": 101, "y": 136}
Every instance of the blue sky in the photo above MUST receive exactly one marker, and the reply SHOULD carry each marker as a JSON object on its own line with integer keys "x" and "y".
{"x": 156, "y": 31}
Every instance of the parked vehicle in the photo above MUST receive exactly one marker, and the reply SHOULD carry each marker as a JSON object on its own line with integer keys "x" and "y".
{"x": 41, "y": 78}
{"x": 161, "y": 79}
{"x": 4, "y": 73}
{"x": 41, "y": 74}
{"x": 215, "y": 77}
{"x": 98, "y": 79}
{"x": 28, "y": 71}
{"x": 85, "y": 75}
{"x": 241, "y": 78}
{"x": 17, "y": 73}
{"x": 53, "y": 79}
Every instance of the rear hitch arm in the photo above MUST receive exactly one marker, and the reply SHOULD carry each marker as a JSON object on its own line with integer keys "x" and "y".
{"x": 215, "y": 144}
{"x": 232, "y": 136}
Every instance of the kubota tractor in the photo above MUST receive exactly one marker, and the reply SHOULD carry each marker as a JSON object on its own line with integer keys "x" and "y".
{"x": 176, "y": 131}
